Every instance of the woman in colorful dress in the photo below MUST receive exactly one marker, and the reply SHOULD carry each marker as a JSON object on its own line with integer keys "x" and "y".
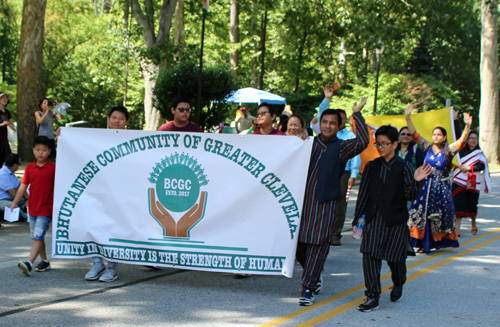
{"x": 432, "y": 214}
{"x": 472, "y": 160}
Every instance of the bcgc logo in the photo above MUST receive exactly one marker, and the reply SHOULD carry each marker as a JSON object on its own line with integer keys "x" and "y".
{"x": 177, "y": 181}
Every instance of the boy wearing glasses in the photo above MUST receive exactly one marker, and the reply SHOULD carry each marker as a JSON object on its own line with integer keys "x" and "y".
{"x": 266, "y": 115}
{"x": 388, "y": 183}
{"x": 181, "y": 109}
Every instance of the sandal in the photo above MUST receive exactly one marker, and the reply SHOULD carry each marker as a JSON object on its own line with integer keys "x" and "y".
{"x": 473, "y": 230}
{"x": 421, "y": 250}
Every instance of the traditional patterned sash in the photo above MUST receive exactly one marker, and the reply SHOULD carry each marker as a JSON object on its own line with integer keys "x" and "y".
{"x": 483, "y": 183}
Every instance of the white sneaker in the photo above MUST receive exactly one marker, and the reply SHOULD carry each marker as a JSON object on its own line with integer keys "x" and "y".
{"x": 109, "y": 275}
{"x": 95, "y": 272}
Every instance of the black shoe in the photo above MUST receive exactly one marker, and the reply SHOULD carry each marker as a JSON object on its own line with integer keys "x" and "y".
{"x": 397, "y": 293}
{"x": 42, "y": 266}
{"x": 25, "y": 267}
{"x": 307, "y": 297}
{"x": 369, "y": 305}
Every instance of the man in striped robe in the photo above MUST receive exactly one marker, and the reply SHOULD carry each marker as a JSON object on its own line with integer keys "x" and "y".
{"x": 388, "y": 183}
{"x": 327, "y": 164}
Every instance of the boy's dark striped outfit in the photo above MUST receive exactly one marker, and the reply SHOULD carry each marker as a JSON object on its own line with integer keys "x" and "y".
{"x": 383, "y": 194}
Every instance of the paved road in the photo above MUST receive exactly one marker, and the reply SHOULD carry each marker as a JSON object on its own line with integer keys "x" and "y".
{"x": 458, "y": 287}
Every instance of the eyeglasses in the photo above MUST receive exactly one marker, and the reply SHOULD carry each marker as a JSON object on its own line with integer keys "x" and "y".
{"x": 405, "y": 134}
{"x": 184, "y": 109}
{"x": 263, "y": 113}
{"x": 381, "y": 145}
{"x": 472, "y": 138}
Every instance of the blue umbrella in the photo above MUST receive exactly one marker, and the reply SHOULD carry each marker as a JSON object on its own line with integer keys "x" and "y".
{"x": 251, "y": 95}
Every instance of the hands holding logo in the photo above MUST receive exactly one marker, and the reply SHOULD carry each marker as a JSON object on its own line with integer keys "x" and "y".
{"x": 188, "y": 220}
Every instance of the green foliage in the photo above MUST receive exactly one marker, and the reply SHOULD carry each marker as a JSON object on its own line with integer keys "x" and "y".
{"x": 182, "y": 79}
{"x": 423, "y": 62}
{"x": 84, "y": 64}
{"x": 9, "y": 42}
{"x": 308, "y": 44}
{"x": 396, "y": 92}
{"x": 304, "y": 103}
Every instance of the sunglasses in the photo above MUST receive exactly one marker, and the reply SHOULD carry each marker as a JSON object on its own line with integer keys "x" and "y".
{"x": 184, "y": 109}
{"x": 405, "y": 134}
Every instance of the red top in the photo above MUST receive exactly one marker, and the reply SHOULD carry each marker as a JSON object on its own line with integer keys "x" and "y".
{"x": 273, "y": 132}
{"x": 41, "y": 181}
{"x": 170, "y": 126}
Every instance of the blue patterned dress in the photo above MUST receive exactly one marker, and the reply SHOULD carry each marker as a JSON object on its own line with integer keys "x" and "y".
{"x": 432, "y": 214}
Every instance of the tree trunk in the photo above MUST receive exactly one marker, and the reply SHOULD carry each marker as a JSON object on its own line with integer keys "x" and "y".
{"x": 29, "y": 70}
{"x": 299, "y": 63}
{"x": 179, "y": 30}
{"x": 364, "y": 71}
{"x": 152, "y": 116}
{"x": 234, "y": 36}
{"x": 150, "y": 71}
{"x": 488, "y": 111}
{"x": 263, "y": 50}
{"x": 254, "y": 61}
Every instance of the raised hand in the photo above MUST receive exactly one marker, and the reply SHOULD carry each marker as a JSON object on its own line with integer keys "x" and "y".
{"x": 356, "y": 108}
{"x": 162, "y": 215}
{"x": 422, "y": 172}
{"x": 455, "y": 114}
{"x": 328, "y": 91}
{"x": 191, "y": 217}
{"x": 467, "y": 119}
{"x": 409, "y": 110}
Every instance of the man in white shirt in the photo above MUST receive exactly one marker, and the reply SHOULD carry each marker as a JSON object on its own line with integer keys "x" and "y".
{"x": 245, "y": 121}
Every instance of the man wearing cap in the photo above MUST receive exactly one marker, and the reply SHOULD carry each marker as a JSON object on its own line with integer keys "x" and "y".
{"x": 5, "y": 120}
{"x": 245, "y": 121}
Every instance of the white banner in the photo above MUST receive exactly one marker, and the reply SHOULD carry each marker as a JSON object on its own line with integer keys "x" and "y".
{"x": 214, "y": 202}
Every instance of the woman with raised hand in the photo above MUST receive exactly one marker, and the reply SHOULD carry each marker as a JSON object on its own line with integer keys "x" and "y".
{"x": 407, "y": 149}
{"x": 472, "y": 161}
{"x": 432, "y": 214}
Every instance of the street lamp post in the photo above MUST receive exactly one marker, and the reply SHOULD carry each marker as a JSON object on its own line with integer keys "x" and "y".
{"x": 378, "y": 53}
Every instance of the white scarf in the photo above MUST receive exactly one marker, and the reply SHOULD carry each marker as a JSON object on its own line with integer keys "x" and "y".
{"x": 483, "y": 183}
